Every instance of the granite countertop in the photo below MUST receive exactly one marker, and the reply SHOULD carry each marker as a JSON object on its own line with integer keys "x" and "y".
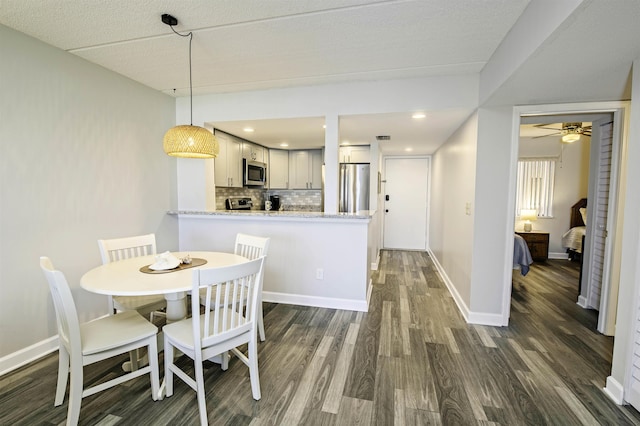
{"x": 364, "y": 214}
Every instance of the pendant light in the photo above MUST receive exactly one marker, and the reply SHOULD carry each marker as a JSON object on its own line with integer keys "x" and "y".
{"x": 188, "y": 141}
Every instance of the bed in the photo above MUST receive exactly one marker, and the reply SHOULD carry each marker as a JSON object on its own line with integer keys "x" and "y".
{"x": 573, "y": 239}
{"x": 521, "y": 255}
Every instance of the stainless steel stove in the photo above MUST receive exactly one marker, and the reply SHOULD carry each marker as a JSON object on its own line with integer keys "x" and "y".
{"x": 239, "y": 203}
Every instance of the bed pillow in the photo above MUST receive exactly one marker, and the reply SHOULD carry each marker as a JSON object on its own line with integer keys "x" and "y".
{"x": 583, "y": 213}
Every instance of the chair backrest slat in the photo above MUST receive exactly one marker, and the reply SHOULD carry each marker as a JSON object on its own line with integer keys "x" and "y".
{"x": 234, "y": 303}
{"x": 117, "y": 249}
{"x": 66, "y": 313}
{"x": 251, "y": 247}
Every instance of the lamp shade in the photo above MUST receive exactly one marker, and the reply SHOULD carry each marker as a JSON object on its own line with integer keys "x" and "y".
{"x": 528, "y": 214}
{"x": 190, "y": 142}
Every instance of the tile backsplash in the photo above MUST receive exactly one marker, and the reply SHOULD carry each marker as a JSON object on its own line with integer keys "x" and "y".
{"x": 290, "y": 200}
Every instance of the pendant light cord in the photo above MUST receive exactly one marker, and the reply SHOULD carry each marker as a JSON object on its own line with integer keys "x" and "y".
{"x": 190, "y": 35}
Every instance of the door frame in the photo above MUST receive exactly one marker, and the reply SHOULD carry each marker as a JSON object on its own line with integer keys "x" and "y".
{"x": 621, "y": 118}
{"x": 384, "y": 187}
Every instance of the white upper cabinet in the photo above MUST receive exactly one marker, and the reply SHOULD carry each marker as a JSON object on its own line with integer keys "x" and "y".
{"x": 305, "y": 169}
{"x": 355, "y": 154}
{"x": 253, "y": 152}
{"x": 228, "y": 163}
{"x": 278, "y": 169}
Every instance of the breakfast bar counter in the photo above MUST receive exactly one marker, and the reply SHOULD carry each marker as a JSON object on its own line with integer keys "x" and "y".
{"x": 314, "y": 259}
{"x": 279, "y": 214}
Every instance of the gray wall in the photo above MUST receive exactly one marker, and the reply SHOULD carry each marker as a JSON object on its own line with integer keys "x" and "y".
{"x": 452, "y": 189}
{"x": 80, "y": 159}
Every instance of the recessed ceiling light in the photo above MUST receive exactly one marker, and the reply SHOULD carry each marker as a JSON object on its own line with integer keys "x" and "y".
{"x": 324, "y": 126}
{"x": 419, "y": 115}
{"x": 248, "y": 129}
{"x": 408, "y": 149}
{"x": 284, "y": 144}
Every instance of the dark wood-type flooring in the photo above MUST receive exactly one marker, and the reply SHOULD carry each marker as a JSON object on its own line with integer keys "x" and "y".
{"x": 411, "y": 360}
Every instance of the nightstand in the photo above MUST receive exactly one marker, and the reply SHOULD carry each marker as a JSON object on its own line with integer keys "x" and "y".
{"x": 538, "y": 243}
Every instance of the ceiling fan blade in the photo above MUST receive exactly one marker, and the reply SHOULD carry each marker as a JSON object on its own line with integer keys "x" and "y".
{"x": 543, "y": 126}
{"x": 545, "y": 136}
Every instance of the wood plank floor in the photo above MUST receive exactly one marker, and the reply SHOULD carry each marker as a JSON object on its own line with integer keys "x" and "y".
{"x": 411, "y": 360}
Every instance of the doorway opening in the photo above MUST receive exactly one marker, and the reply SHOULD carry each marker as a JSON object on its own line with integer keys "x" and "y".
{"x": 601, "y": 115}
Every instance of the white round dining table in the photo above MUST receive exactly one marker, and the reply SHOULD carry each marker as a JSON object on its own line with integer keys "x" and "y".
{"x": 124, "y": 278}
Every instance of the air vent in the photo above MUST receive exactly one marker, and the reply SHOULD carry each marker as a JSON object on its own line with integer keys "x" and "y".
{"x": 383, "y": 138}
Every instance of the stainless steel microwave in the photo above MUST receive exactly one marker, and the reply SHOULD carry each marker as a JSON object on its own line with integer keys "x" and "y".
{"x": 254, "y": 173}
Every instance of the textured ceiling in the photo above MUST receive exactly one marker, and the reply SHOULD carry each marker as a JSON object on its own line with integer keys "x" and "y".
{"x": 258, "y": 44}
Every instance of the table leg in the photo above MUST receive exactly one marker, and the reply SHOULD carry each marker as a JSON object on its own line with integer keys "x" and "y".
{"x": 176, "y": 306}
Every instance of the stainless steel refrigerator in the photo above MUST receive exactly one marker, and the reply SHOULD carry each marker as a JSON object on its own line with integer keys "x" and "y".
{"x": 354, "y": 187}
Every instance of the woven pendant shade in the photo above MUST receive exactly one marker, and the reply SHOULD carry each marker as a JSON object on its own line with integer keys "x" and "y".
{"x": 190, "y": 142}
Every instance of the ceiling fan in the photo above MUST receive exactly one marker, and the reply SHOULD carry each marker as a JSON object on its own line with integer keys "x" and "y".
{"x": 570, "y": 131}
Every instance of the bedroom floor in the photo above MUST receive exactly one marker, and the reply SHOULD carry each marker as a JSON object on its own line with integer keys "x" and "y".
{"x": 410, "y": 360}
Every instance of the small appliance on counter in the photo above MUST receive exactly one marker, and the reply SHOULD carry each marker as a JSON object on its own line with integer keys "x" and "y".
{"x": 275, "y": 202}
{"x": 239, "y": 203}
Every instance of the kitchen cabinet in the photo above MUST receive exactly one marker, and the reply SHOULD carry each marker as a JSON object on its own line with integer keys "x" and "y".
{"x": 538, "y": 243}
{"x": 253, "y": 152}
{"x": 278, "y": 169}
{"x": 228, "y": 163}
{"x": 305, "y": 169}
{"x": 355, "y": 154}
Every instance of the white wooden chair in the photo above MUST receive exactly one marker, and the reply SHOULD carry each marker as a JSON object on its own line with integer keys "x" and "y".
{"x": 84, "y": 344}
{"x": 251, "y": 247}
{"x": 125, "y": 248}
{"x": 228, "y": 321}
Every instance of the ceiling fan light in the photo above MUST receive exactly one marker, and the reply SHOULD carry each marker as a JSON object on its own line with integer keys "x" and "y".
{"x": 570, "y": 138}
{"x": 190, "y": 142}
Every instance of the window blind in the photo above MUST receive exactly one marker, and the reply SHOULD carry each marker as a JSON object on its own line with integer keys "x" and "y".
{"x": 535, "y": 186}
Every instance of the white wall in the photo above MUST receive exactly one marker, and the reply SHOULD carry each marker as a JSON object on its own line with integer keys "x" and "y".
{"x": 629, "y": 295}
{"x": 80, "y": 159}
{"x": 492, "y": 243}
{"x": 329, "y": 101}
{"x": 452, "y": 187}
{"x": 571, "y": 183}
{"x": 298, "y": 248}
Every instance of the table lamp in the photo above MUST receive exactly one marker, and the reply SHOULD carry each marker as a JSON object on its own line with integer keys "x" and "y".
{"x": 528, "y": 215}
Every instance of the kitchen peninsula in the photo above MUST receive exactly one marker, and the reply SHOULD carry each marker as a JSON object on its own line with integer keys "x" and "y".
{"x": 315, "y": 259}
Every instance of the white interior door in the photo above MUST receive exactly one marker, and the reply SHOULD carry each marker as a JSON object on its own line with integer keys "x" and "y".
{"x": 596, "y": 239}
{"x": 406, "y": 194}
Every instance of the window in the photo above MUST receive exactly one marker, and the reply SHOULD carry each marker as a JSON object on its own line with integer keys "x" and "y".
{"x": 535, "y": 186}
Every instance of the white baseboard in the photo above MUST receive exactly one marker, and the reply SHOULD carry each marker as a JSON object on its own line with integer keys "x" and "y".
{"x": 469, "y": 316}
{"x": 374, "y": 266}
{"x": 481, "y": 318}
{"x": 369, "y": 291}
{"x": 614, "y": 390}
{"x": 561, "y": 256}
{"x": 582, "y": 302}
{"x": 462, "y": 307}
{"x": 319, "y": 302}
{"x": 25, "y": 356}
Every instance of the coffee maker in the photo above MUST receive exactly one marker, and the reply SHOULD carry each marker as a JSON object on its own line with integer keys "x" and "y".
{"x": 275, "y": 202}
